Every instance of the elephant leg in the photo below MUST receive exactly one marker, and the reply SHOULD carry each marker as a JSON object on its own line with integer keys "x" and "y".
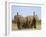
{"x": 24, "y": 25}
{"x": 34, "y": 25}
{"x": 18, "y": 24}
{"x": 21, "y": 25}
{"x": 31, "y": 25}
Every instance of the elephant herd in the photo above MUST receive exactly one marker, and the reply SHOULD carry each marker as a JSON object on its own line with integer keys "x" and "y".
{"x": 25, "y": 22}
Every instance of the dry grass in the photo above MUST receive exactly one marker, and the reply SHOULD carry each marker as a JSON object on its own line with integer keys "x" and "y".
{"x": 14, "y": 27}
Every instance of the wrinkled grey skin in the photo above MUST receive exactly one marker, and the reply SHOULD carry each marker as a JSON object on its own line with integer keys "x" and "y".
{"x": 21, "y": 22}
{"x": 29, "y": 21}
{"x": 24, "y": 22}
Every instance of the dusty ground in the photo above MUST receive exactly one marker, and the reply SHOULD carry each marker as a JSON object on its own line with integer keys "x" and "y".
{"x": 14, "y": 27}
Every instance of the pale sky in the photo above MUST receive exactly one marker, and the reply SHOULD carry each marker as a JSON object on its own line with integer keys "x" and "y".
{"x": 25, "y": 10}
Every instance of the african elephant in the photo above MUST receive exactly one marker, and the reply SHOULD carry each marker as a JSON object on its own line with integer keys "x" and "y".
{"x": 25, "y": 22}
{"x": 31, "y": 21}
{"x": 21, "y": 22}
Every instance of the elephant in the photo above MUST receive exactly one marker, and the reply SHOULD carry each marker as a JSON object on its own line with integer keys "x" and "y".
{"x": 31, "y": 21}
{"x": 25, "y": 22}
{"x": 21, "y": 22}
{"x": 33, "y": 24}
